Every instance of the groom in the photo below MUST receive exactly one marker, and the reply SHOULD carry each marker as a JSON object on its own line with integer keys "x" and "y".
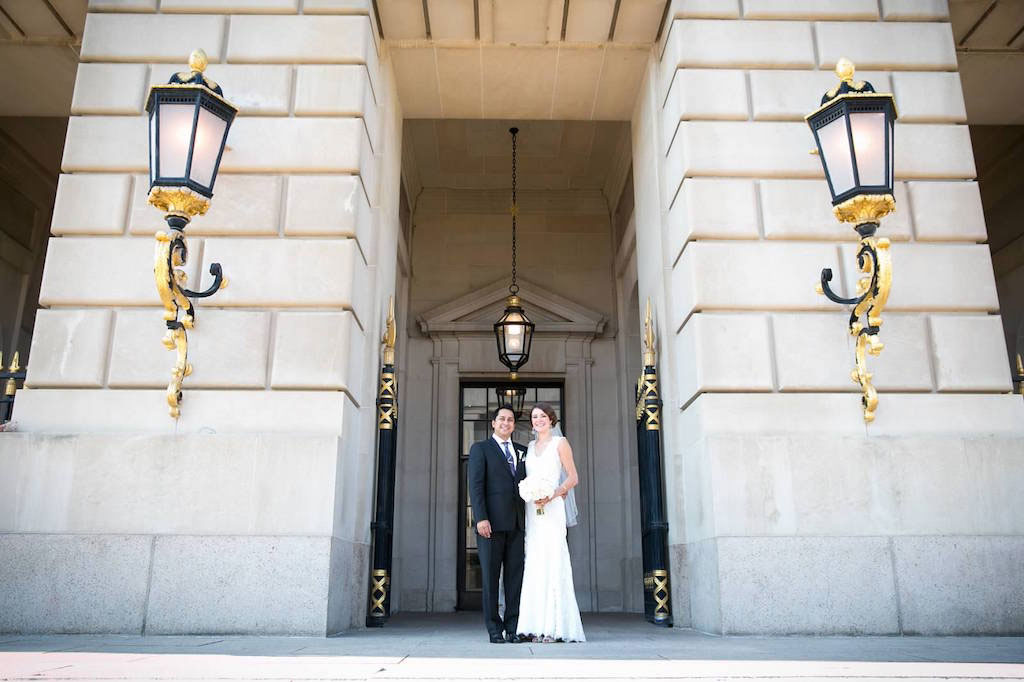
{"x": 496, "y": 466}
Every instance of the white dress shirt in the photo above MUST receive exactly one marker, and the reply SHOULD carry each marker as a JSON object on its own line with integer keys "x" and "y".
{"x": 511, "y": 448}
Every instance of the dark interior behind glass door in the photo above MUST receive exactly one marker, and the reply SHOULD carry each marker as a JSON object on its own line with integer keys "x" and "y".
{"x": 477, "y": 400}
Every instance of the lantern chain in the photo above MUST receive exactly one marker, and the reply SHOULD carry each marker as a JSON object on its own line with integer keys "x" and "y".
{"x": 514, "y": 288}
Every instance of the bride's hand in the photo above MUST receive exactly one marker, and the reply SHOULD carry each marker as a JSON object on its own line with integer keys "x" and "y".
{"x": 542, "y": 501}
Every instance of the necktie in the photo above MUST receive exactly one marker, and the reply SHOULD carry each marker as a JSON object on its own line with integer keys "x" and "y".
{"x": 510, "y": 459}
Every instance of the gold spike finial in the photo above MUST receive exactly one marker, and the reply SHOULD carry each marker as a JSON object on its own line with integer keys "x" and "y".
{"x": 197, "y": 61}
{"x": 390, "y": 334}
{"x": 648, "y": 337}
{"x": 14, "y": 362}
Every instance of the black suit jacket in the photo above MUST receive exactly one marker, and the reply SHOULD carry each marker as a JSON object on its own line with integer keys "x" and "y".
{"x": 493, "y": 490}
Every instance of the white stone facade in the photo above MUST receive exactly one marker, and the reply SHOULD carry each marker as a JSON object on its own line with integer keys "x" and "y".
{"x": 251, "y": 512}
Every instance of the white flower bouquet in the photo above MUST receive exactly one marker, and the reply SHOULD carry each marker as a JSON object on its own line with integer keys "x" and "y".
{"x": 533, "y": 488}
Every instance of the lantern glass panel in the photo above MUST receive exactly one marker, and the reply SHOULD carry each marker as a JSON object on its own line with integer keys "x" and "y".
{"x": 835, "y": 148}
{"x": 209, "y": 135}
{"x": 175, "y": 138}
{"x": 152, "y": 148}
{"x": 868, "y": 130}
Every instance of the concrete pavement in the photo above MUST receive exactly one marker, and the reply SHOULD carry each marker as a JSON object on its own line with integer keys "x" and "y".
{"x": 454, "y": 646}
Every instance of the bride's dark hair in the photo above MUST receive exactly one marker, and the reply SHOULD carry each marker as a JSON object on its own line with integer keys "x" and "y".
{"x": 549, "y": 411}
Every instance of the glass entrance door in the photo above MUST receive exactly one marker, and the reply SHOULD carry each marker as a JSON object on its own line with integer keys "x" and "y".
{"x": 477, "y": 401}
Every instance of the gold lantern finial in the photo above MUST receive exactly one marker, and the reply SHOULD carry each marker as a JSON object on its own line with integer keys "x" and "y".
{"x": 198, "y": 61}
{"x": 845, "y": 70}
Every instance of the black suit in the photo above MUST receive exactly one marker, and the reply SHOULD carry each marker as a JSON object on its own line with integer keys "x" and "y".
{"x": 494, "y": 495}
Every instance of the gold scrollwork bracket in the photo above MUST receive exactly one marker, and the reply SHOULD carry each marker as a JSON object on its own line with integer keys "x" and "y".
{"x": 659, "y": 585}
{"x": 874, "y": 259}
{"x": 171, "y": 254}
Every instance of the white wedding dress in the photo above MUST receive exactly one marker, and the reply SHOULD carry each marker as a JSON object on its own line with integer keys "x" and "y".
{"x": 547, "y": 606}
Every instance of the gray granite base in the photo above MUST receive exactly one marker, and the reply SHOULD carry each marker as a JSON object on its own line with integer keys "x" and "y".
{"x": 857, "y": 585}
{"x": 146, "y": 584}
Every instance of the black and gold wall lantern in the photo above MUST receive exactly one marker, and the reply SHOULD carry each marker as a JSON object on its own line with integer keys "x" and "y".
{"x": 189, "y": 120}
{"x": 853, "y": 129}
{"x": 513, "y": 331}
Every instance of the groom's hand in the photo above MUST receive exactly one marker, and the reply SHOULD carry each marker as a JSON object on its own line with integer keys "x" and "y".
{"x": 484, "y": 529}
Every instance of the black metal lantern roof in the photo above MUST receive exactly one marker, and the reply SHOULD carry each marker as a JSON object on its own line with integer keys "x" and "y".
{"x": 189, "y": 121}
{"x": 854, "y": 130}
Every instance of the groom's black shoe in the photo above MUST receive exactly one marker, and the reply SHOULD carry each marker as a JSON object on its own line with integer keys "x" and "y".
{"x": 513, "y": 638}
{"x": 497, "y": 639}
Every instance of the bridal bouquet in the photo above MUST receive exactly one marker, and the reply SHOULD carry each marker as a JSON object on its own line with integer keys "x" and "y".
{"x": 533, "y": 488}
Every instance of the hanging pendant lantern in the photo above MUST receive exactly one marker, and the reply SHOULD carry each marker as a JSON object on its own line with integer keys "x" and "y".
{"x": 513, "y": 396}
{"x": 513, "y": 331}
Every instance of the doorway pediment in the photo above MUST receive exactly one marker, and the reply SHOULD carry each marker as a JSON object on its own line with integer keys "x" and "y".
{"x": 477, "y": 311}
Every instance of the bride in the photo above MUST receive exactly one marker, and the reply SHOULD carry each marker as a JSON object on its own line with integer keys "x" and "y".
{"x": 547, "y": 606}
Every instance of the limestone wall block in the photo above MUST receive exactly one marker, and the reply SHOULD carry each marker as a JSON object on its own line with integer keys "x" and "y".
{"x": 905, "y": 46}
{"x": 107, "y": 144}
{"x": 231, "y": 6}
{"x": 150, "y": 37}
{"x": 790, "y": 95}
{"x": 899, "y": 414}
{"x": 85, "y": 411}
{"x": 241, "y": 205}
{"x": 723, "y": 352}
{"x": 294, "y": 272}
{"x": 929, "y": 97}
{"x": 69, "y": 348}
{"x": 318, "y": 351}
{"x": 337, "y": 90}
{"x": 915, "y": 10}
{"x": 102, "y": 271}
{"x": 815, "y": 352}
{"x": 246, "y": 484}
{"x": 749, "y": 276}
{"x": 711, "y": 208}
{"x": 300, "y": 39}
{"x": 91, "y": 204}
{"x": 730, "y": 148}
{"x": 122, "y": 5}
{"x": 802, "y": 209}
{"x": 109, "y": 89}
{"x": 934, "y": 151}
{"x": 304, "y": 145}
{"x": 810, "y": 9}
{"x": 696, "y": 43}
{"x": 257, "y": 90}
{"x": 710, "y": 94}
{"x": 947, "y": 211}
{"x": 227, "y": 349}
{"x": 934, "y": 277}
{"x": 329, "y": 205}
{"x": 970, "y": 353}
{"x": 336, "y": 6}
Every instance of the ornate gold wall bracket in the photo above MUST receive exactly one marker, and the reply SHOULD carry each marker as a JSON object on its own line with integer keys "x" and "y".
{"x": 172, "y": 254}
{"x": 874, "y": 260}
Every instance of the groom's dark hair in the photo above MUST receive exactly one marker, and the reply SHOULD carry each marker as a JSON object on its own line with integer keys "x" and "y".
{"x": 499, "y": 408}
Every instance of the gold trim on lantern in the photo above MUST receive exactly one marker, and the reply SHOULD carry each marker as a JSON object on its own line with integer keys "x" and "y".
{"x": 865, "y": 208}
{"x": 178, "y": 201}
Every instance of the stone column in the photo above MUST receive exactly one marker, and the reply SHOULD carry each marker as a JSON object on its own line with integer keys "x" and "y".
{"x": 250, "y": 513}
{"x": 788, "y": 513}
